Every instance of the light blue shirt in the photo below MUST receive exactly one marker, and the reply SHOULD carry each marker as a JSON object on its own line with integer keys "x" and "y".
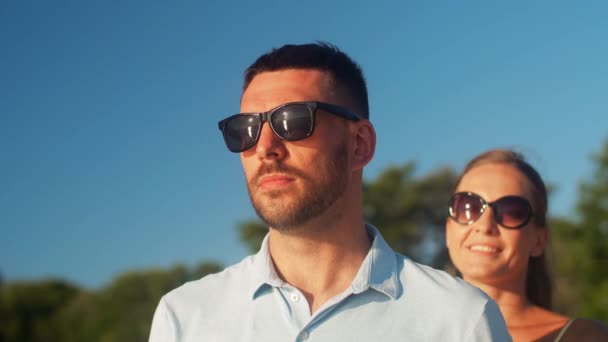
{"x": 392, "y": 298}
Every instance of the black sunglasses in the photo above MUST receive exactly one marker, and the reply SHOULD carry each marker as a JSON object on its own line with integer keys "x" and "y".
{"x": 511, "y": 212}
{"x": 290, "y": 121}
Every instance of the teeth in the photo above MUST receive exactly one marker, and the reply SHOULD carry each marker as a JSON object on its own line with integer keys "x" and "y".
{"x": 483, "y": 249}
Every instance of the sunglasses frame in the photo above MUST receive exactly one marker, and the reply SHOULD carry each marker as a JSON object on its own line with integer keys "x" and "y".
{"x": 266, "y": 116}
{"x": 484, "y": 205}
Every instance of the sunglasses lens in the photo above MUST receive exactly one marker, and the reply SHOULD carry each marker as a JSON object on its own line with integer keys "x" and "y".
{"x": 512, "y": 211}
{"x": 292, "y": 122}
{"x": 241, "y": 132}
{"x": 465, "y": 208}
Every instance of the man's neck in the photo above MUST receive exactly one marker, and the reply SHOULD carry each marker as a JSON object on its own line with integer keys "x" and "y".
{"x": 320, "y": 261}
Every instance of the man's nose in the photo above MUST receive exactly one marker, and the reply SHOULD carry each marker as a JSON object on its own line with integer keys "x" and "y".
{"x": 269, "y": 145}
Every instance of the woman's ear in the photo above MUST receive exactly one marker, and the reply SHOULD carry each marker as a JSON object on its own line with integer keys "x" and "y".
{"x": 364, "y": 144}
{"x": 541, "y": 236}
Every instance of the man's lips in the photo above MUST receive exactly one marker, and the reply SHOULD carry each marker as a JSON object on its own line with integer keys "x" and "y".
{"x": 274, "y": 181}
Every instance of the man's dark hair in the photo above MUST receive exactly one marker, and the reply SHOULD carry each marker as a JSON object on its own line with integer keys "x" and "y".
{"x": 318, "y": 56}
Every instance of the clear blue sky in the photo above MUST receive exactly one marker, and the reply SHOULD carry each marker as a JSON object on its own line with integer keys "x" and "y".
{"x": 110, "y": 156}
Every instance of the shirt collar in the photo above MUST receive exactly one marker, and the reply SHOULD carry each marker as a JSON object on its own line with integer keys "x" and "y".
{"x": 379, "y": 270}
{"x": 264, "y": 273}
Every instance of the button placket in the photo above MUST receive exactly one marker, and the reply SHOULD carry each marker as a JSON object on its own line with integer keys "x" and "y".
{"x": 298, "y": 307}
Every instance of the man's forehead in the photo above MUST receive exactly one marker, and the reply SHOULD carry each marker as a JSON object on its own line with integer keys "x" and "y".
{"x": 270, "y": 89}
{"x": 291, "y": 78}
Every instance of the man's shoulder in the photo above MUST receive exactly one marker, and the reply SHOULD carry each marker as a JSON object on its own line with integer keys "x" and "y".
{"x": 437, "y": 285}
{"x": 445, "y": 306}
{"x": 233, "y": 279}
{"x": 204, "y": 304}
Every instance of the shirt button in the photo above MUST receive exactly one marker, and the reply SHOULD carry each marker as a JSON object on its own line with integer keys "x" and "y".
{"x": 304, "y": 335}
{"x": 295, "y": 297}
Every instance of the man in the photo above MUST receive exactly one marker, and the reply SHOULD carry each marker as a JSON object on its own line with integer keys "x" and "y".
{"x": 322, "y": 274}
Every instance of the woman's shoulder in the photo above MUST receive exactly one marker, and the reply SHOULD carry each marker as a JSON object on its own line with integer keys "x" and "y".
{"x": 538, "y": 324}
{"x": 583, "y": 329}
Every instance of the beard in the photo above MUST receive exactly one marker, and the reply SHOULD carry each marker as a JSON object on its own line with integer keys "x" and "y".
{"x": 323, "y": 185}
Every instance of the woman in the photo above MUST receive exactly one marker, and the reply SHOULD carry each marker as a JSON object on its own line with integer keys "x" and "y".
{"x": 496, "y": 236}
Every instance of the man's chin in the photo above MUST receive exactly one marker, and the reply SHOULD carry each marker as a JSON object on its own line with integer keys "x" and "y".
{"x": 271, "y": 204}
{"x": 272, "y": 196}
{"x": 278, "y": 214}
{"x": 273, "y": 200}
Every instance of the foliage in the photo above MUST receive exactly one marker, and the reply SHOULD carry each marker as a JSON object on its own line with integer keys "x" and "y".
{"x": 410, "y": 211}
{"x": 251, "y": 233}
{"x": 28, "y": 309}
{"x": 122, "y": 311}
{"x": 582, "y": 265}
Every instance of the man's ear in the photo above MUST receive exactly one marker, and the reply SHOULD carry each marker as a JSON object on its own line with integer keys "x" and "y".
{"x": 541, "y": 236}
{"x": 364, "y": 144}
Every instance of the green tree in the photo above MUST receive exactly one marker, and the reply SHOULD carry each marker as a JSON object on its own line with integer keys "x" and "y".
{"x": 580, "y": 248}
{"x": 77, "y": 320}
{"x": 28, "y": 309}
{"x": 410, "y": 210}
{"x": 566, "y": 254}
{"x": 53, "y": 310}
{"x": 205, "y": 268}
{"x": 592, "y": 208}
{"x": 251, "y": 234}
{"x": 123, "y": 310}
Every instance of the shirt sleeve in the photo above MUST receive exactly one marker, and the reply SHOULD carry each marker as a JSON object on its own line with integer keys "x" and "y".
{"x": 491, "y": 325}
{"x": 164, "y": 325}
